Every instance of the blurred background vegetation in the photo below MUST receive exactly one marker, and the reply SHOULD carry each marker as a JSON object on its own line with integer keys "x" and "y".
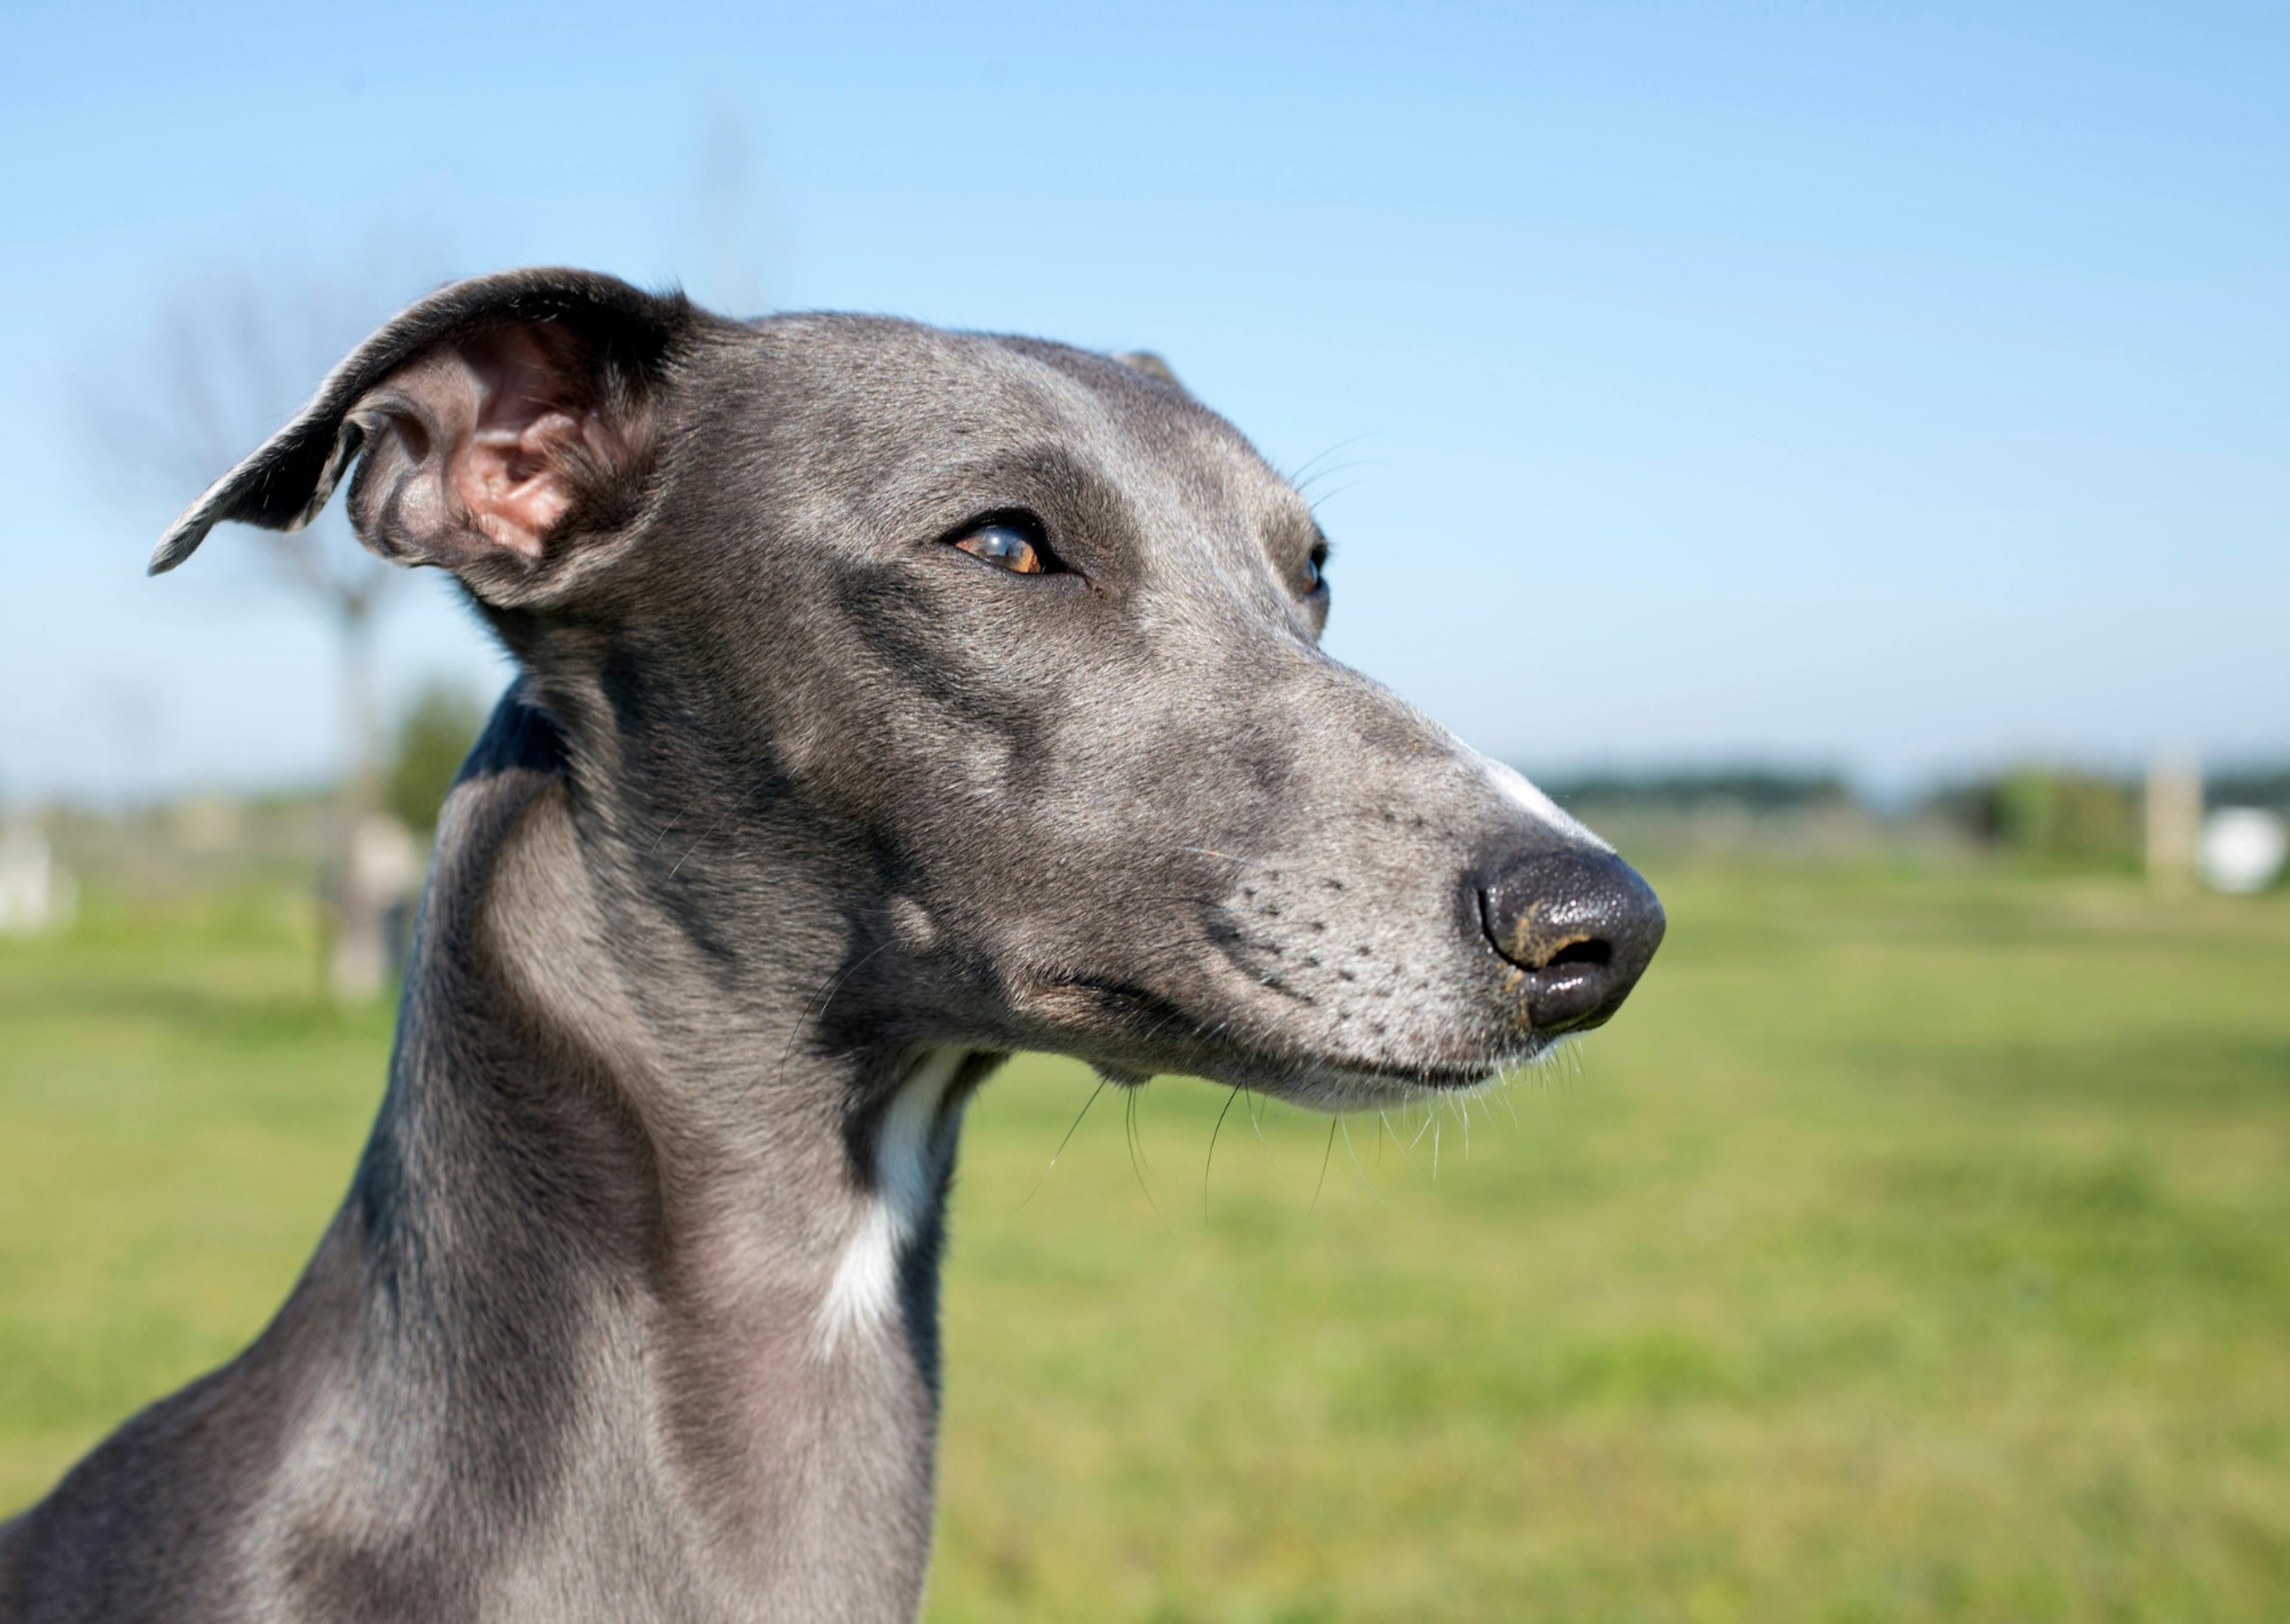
{"x": 1915, "y": 1246}
{"x": 439, "y": 724}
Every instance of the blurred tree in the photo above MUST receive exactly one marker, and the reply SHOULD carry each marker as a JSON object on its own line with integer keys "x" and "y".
{"x": 229, "y": 358}
{"x": 2068, "y": 814}
{"x": 2251, "y": 784}
{"x": 1752, "y": 788}
{"x": 433, "y": 736}
{"x": 2046, "y": 813}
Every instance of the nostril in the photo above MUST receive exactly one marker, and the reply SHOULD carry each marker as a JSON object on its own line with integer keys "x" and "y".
{"x": 1591, "y": 952}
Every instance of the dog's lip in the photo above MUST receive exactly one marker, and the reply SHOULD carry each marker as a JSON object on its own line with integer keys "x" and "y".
{"x": 1292, "y": 1065}
{"x": 1432, "y": 1074}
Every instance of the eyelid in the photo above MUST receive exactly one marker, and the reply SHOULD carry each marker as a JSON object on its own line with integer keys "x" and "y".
{"x": 1023, "y": 520}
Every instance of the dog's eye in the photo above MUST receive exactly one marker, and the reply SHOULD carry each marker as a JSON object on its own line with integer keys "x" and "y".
{"x": 1316, "y": 571}
{"x": 1006, "y": 545}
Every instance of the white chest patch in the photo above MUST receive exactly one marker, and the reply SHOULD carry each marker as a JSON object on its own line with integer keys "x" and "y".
{"x": 910, "y": 1150}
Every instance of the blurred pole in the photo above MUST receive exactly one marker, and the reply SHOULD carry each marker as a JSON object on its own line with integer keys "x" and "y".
{"x": 358, "y": 958}
{"x": 2174, "y": 823}
{"x": 361, "y": 722}
{"x": 733, "y": 244}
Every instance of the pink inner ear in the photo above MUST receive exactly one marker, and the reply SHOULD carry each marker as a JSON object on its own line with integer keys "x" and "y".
{"x": 513, "y": 481}
{"x": 514, "y": 475}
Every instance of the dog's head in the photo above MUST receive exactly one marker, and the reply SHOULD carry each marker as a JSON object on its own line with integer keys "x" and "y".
{"x": 1007, "y": 651}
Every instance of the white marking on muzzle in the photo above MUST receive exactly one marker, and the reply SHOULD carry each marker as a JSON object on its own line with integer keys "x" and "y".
{"x": 1508, "y": 783}
{"x": 1514, "y": 789}
{"x": 909, "y": 1151}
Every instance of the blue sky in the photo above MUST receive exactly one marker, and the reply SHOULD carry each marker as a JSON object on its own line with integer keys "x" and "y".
{"x": 1898, "y": 391}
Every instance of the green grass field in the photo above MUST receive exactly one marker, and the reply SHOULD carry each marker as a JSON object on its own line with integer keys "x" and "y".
{"x": 1916, "y": 1245}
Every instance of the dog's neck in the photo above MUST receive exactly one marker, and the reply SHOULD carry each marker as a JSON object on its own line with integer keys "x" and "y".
{"x": 658, "y": 1273}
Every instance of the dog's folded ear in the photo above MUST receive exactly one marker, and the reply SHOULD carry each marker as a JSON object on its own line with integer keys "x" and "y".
{"x": 492, "y": 423}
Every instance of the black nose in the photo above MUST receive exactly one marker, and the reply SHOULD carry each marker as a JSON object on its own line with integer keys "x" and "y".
{"x": 1582, "y": 924}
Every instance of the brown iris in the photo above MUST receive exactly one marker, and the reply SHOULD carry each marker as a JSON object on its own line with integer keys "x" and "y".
{"x": 1006, "y": 545}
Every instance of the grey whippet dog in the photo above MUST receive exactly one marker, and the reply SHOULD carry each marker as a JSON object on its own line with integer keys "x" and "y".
{"x": 891, "y": 699}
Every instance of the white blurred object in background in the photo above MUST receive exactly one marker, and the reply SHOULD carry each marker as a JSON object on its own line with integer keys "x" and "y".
{"x": 36, "y": 891}
{"x": 2243, "y": 849}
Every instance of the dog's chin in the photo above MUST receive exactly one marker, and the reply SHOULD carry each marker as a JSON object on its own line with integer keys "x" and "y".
{"x": 1332, "y": 1082}
{"x": 1129, "y": 1035}
{"x": 1339, "y": 1084}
